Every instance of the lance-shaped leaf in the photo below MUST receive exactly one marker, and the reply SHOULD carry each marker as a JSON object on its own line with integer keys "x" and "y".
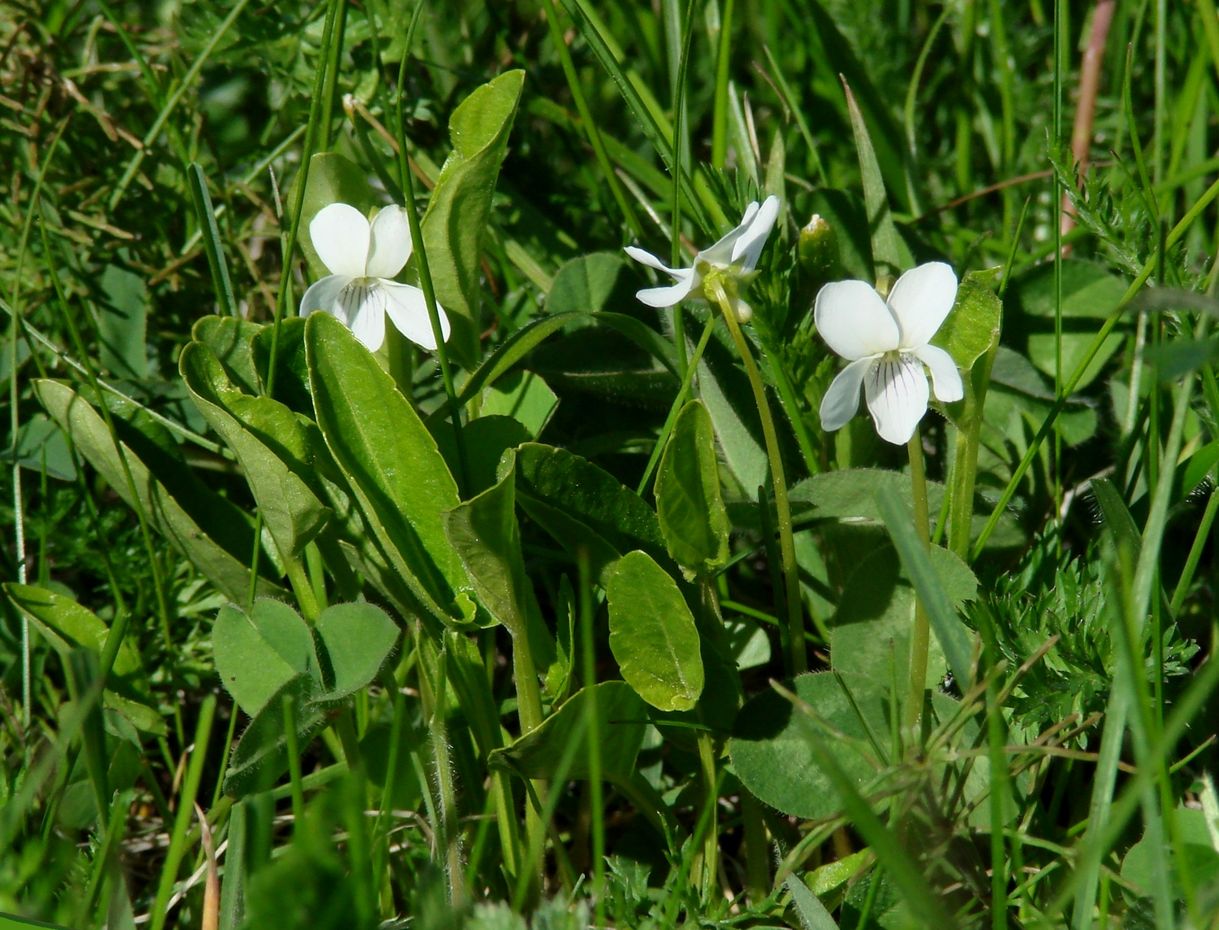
{"x": 69, "y": 626}
{"x": 208, "y": 529}
{"x": 457, "y": 212}
{"x": 485, "y": 533}
{"x": 390, "y": 461}
{"x": 276, "y": 454}
{"x": 611, "y": 708}
{"x": 688, "y": 499}
{"x": 652, "y": 634}
{"x": 580, "y": 504}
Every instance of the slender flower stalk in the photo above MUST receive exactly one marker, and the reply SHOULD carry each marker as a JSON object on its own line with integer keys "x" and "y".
{"x": 888, "y": 344}
{"x": 920, "y": 636}
{"x": 787, "y": 545}
{"x": 716, "y": 275}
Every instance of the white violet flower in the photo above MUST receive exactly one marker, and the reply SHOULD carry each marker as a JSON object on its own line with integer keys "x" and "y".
{"x": 363, "y": 257}
{"x": 736, "y": 253}
{"x": 887, "y": 344}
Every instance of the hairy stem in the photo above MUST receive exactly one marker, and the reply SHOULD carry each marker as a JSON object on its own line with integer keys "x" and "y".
{"x": 920, "y": 639}
{"x": 787, "y": 545}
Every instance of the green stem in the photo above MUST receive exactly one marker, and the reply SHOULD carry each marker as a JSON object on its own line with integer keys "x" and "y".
{"x": 787, "y": 544}
{"x": 965, "y": 456}
{"x": 757, "y": 853}
{"x": 711, "y": 840}
{"x": 431, "y": 694}
{"x": 302, "y": 587}
{"x": 529, "y": 713}
{"x": 596, "y": 791}
{"x": 920, "y": 639}
{"x": 421, "y": 261}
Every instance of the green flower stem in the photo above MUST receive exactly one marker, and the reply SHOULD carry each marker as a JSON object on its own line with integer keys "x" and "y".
{"x": 421, "y": 262}
{"x": 448, "y": 839}
{"x": 302, "y": 587}
{"x": 920, "y": 639}
{"x": 787, "y": 545}
{"x": 757, "y": 852}
{"x": 964, "y": 468}
{"x": 711, "y": 839}
{"x": 529, "y": 714}
{"x": 674, "y": 410}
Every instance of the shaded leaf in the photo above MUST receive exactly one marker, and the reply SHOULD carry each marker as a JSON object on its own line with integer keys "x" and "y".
{"x": 688, "y": 500}
{"x": 620, "y": 722}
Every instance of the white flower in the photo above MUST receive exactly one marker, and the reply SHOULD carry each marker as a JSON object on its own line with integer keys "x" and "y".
{"x": 736, "y": 253}
{"x": 363, "y": 257}
{"x": 887, "y": 345}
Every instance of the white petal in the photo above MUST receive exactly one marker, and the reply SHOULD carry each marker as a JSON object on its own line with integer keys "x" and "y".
{"x": 390, "y": 243}
{"x": 896, "y": 389}
{"x": 721, "y": 253}
{"x": 945, "y": 378}
{"x": 854, "y": 321}
{"x": 749, "y": 246}
{"x": 647, "y": 258}
{"x": 687, "y": 280}
{"x": 363, "y": 310}
{"x": 323, "y": 294}
{"x": 841, "y": 400}
{"x": 340, "y": 237}
{"x": 921, "y": 299}
{"x": 408, "y": 311}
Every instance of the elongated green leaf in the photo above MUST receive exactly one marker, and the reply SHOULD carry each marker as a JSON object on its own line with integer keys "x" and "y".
{"x": 837, "y": 55}
{"x": 886, "y": 246}
{"x": 390, "y": 461}
{"x": 896, "y": 860}
{"x": 275, "y": 458}
{"x": 644, "y": 336}
{"x": 813, "y": 914}
{"x": 725, "y": 391}
{"x": 621, "y": 719}
{"x": 457, "y": 212}
{"x": 259, "y": 652}
{"x": 652, "y": 634}
{"x": 69, "y": 626}
{"x": 485, "y": 533}
{"x": 208, "y": 529}
{"x": 850, "y": 495}
{"x": 688, "y": 500}
{"x": 355, "y": 641}
{"x": 580, "y": 504}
